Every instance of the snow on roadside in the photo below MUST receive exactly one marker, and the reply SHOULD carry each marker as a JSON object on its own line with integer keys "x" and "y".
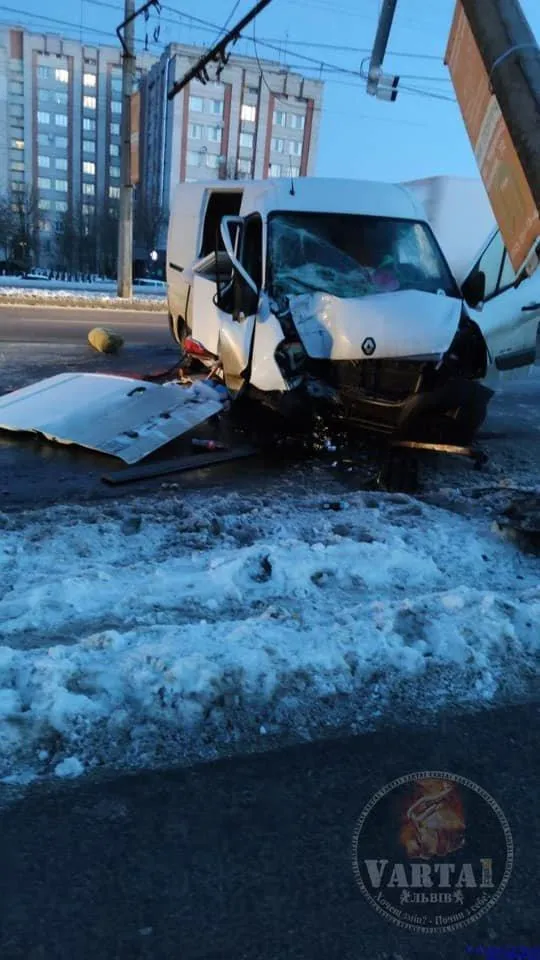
{"x": 143, "y": 633}
{"x": 151, "y": 299}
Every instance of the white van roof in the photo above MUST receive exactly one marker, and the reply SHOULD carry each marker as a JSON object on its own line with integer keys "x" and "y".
{"x": 317, "y": 195}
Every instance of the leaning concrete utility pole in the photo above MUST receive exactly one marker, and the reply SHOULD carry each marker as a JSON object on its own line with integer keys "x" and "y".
{"x": 511, "y": 57}
{"x": 125, "y": 225}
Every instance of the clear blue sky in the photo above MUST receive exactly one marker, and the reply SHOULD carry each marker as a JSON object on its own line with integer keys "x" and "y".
{"x": 360, "y": 137}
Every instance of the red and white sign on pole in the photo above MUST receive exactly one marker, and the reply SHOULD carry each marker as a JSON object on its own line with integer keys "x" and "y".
{"x": 500, "y": 167}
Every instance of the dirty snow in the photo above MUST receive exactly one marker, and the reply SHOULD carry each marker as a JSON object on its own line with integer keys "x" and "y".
{"x": 151, "y": 632}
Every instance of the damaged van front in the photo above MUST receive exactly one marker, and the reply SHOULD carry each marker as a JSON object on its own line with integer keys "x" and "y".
{"x": 335, "y": 297}
{"x": 375, "y": 327}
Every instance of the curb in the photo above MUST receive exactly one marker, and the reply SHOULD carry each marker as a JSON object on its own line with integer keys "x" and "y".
{"x": 89, "y": 303}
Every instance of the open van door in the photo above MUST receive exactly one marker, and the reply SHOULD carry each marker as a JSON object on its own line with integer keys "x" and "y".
{"x": 505, "y": 307}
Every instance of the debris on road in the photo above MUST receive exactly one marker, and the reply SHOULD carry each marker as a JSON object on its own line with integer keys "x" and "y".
{"x": 208, "y": 444}
{"x": 118, "y": 416}
{"x": 105, "y": 340}
{"x": 179, "y": 465}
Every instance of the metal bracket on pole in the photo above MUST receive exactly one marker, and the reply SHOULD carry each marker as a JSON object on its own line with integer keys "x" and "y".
{"x": 146, "y": 6}
{"x": 218, "y": 54}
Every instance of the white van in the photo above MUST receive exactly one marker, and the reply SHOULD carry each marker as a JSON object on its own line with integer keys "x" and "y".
{"x": 311, "y": 293}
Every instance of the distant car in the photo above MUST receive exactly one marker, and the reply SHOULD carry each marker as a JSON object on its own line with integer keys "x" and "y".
{"x": 149, "y": 282}
{"x": 37, "y": 274}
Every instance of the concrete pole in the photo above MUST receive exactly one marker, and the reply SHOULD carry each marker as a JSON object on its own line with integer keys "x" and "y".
{"x": 125, "y": 225}
{"x": 512, "y": 59}
{"x": 380, "y": 43}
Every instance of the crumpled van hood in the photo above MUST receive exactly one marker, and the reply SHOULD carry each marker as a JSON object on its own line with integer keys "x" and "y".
{"x": 407, "y": 323}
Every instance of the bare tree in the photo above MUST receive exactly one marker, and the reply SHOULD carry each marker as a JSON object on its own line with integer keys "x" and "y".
{"x": 68, "y": 240}
{"x": 7, "y": 228}
{"x": 149, "y": 219}
{"x": 25, "y": 235}
{"x": 228, "y": 170}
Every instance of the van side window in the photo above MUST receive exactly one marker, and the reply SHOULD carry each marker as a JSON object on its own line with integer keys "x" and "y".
{"x": 221, "y": 203}
{"x": 490, "y": 264}
{"x": 508, "y": 274}
{"x": 252, "y": 248}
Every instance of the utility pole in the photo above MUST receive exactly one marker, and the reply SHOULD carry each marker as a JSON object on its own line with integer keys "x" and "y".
{"x": 511, "y": 57}
{"x": 125, "y": 225}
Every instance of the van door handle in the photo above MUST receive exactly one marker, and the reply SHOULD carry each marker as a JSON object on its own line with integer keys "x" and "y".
{"x": 531, "y": 306}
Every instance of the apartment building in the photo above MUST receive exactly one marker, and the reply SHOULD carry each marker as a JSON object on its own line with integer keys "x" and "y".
{"x": 60, "y": 114}
{"x": 259, "y": 120}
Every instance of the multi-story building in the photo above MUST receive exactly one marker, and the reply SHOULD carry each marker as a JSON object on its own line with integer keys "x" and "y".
{"x": 259, "y": 120}
{"x": 60, "y": 113}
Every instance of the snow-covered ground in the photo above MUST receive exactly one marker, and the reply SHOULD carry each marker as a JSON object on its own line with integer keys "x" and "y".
{"x": 73, "y": 293}
{"x": 150, "y": 632}
{"x": 21, "y": 284}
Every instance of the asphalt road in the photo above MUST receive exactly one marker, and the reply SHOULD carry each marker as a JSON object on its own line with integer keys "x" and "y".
{"x": 23, "y": 324}
{"x": 250, "y": 858}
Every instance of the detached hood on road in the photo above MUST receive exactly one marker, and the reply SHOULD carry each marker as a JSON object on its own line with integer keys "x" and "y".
{"x": 407, "y": 323}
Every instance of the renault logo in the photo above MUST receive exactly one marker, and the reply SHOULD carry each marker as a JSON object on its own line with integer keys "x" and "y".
{"x": 369, "y": 346}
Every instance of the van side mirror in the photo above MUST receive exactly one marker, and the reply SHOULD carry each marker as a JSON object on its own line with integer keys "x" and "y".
{"x": 474, "y": 288}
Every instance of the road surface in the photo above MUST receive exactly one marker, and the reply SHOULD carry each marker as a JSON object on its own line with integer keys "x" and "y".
{"x": 250, "y": 858}
{"x": 23, "y": 324}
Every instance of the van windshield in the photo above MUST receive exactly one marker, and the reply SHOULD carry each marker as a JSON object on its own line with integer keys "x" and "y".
{"x": 353, "y": 256}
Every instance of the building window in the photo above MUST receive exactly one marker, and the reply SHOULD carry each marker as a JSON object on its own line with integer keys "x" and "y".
{"x": 248, "y": 113}
{"x": 116, "y": 106}
{"x": 295, "y": 148}
{"x": 88, "y": 189}
{"x": 43, "y": 139}
{"x": 280, "y": 118}
{"x": 195, "y": 131}
{"x": 275, "y": 170}
{"x": 61, "y": 76}
{"x": 114, "y": 172}
{"x": 88, "y": 209}
{"x": 114, "y": 150}
{"x": 17, "y": 165}
{"x": 294, "y": 171}
{"x": 44, "y": 204}
{"x": 89, "y": 167}
{"x": 43, "y": 117}
{"x": 115, "y": 129}
{"x": 61, "y": 163}
{"x": 296, "y": 121}
{"x": 89, "y": 146}
{"x": 44, "y": 73}
{"x": 61, "y": 186}
{"x": 17, "y": 187}
{"x": 15, "y": 86}
{"x": 60, "y": 97}
{"x": 212, "y": 160}
{"x": 89, "y": 79}
{"x": 215, "y": 106}
{"x": 16, "y": 110}
{"x": 243, "y": 166}
{"x": 196, "y": 104}
{"x": 44, "y": 183}
{"x": 254, "y": 91}
{"x": 214, "y": 134}
{"x": 17, "y": 176}
{"x": 116, "y": 84}
{"x": 89, "y": 103}
{"x": 89, "y": 124}
{"x": 114, "y": 193}
{"x": 193, "y": 158}
{"x": 246, "y": 140}
{"x": 43, "y": 161}
{"x": 277, "y": 145}
{"x": 60, "y": 206}
{"x": 44, "y": 226}
{"x": 61, "y": 120}
{"x": 61, "y": 143}
{"x": 17, "y": 144}
{"x": 43, "y": 96}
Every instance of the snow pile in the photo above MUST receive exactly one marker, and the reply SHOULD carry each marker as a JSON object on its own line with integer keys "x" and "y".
{"x": 145, "y": 633}
{"x": 69, "y": 295}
